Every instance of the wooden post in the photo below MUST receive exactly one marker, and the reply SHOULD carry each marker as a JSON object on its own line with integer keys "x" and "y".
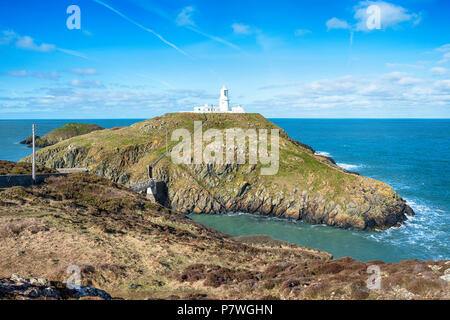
{"x": 33, "y": 166}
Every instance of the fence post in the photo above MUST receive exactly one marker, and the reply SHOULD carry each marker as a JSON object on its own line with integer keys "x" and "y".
{"x": 167, "y": 143}
{"x": 33, "y": 166}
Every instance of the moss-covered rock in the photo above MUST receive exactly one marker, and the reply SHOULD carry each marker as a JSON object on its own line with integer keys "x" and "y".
{"x": 65, "y": 132}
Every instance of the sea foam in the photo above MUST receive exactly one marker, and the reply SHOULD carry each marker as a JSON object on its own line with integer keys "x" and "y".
{"x": 347, "y": 166}
{"x": 323, "y": 153}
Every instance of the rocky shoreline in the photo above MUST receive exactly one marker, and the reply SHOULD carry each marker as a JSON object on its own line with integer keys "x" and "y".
{"x": 307, "y": 187}
{"x": 292, "y": 204}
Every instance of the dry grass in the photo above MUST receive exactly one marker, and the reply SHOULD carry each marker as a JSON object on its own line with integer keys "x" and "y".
{"x": 10, "y": 167}
{"x": 137, "y": 250}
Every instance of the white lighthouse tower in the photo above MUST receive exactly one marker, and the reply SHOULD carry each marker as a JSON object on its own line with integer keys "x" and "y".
{"x": 224, "y": 105}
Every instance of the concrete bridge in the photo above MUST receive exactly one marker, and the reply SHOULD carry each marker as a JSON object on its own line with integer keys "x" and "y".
{"x": 156, "y": 189}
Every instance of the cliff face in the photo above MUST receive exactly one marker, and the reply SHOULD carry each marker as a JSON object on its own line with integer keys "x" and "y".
{"x": 306, "y": 187}
{"x": 121, "y": 243}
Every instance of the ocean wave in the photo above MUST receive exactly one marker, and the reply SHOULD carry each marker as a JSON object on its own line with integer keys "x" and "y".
{"x": 323, "y": 153}
{"x": 424, "y": 208}
{"x": 425, "y": 233}
{"x": 347, "y": 166}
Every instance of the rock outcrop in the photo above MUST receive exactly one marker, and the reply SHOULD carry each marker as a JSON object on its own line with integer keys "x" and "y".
{"x": 18, "y": 288}
{"x": 67, "y": 131}
{"x": 307, "y": 187}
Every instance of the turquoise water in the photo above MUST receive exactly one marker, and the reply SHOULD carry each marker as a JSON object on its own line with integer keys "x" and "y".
{"x": 413, "y": 156}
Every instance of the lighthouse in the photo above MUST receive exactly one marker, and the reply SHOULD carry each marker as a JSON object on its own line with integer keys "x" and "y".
{"x": 224, "y": 105}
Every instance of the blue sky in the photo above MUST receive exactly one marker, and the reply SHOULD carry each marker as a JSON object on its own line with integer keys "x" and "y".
{"x": 303, "y": 59}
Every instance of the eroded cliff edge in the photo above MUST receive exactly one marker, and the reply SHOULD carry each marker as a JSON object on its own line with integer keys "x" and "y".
{"x": 307, "y": 187}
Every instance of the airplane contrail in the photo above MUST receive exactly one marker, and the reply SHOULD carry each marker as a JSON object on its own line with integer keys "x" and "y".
{"x": 142, "y": 27}
{"x": 73, "y": 53}
{"x": 217, "y": 39}
{"x": 161, "y": 13}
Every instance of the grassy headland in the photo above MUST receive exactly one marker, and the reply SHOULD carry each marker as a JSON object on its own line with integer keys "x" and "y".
{"x": 65, "y": 132}
{"x": 307, "y": 186}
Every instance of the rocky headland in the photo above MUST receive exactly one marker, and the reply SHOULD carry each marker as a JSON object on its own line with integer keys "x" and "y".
{"x": 65, "y": 132}
{"x": 307, "y": 186}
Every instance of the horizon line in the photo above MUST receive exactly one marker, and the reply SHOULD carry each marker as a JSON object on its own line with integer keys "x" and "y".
{"x": 293, "y": 118}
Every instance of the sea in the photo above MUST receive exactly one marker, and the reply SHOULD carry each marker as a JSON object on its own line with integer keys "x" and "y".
{"x": 411, "y": 155}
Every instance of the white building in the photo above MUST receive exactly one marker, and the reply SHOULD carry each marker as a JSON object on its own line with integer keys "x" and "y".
{"x": 224, "y": 105}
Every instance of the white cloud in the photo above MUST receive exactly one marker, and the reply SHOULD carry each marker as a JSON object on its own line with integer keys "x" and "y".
{"x": 268, "y": 43}
{"x": 444, "y": 48}
{"x": 96, "y": 102}
{"x": 84, "y": 72}
{"x": 184, "y": 18}
{"x": 395, "y": 76}
{"x": 279, "y": 86}
{"x": 443, "y": 84}
{"x": 408, "y": 81}
{"x": 18, "y": 73}
{"x": 403, "y": 65}
{"x": 28, "y": 43}
{"x": 341, "y": 85}
{"x": 350, "y": 95}
{"x": 302, "y": 32}
{"x": 402, "y": 78}
{"x": 8, "y": 37}
{"x": 265, "y": 41}
{"x": 439, "y": 71}
{"x": 445, "y": 58}
{"x": 86, "y": 84}
{"x": 46, "y": 75}
{"x": 41, "y": 75}
{"x": 24, "y": 42}
{"x": 240, "y": 28}
{"x": 391, "y": 15}
{"x": 335, "y": 23}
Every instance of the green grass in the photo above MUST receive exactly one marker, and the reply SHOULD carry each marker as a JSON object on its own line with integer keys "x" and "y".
{"x": 146, "y": 141}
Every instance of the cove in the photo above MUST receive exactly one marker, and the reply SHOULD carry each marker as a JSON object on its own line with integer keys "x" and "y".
{"x": 365, "y": 246}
